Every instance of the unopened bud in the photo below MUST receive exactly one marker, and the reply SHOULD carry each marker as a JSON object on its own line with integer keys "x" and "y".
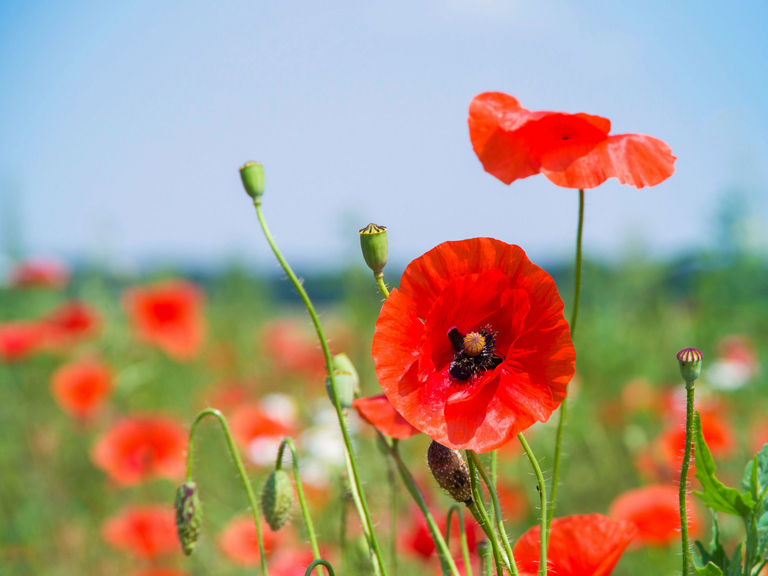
{"x": 690, "y": 364}
{"x": 346, "y": 379}
{"x": 252, "y": 174}
{"x": 373, "y": 241}
{"x": 450, "y": 471}
{"x": 189, "y": 515}
{"x": 277, "y": 499}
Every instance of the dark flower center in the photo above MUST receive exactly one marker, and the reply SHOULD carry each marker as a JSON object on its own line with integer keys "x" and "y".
{"x": 474, "y": 353}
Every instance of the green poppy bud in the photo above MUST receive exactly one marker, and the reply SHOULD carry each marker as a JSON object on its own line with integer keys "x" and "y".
{"x": 347, "y": 380}
{"x": 373, "y": 241}
{"x": 189, "y": 515}
{"x": 252, "y": 174}
{"x": 450, "y": 471}
{"x": 690, "y": 364}
{"x": 277, "y": 499}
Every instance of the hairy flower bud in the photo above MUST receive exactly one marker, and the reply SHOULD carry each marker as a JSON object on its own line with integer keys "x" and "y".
{"x": 252, "y": 175}
{"x": 373, "y": 241}
{"x": 277, "y": 499}
{"x": 346, "y": 378}
{"x": 690, "y": 364}
{"x": 450, "y": 471}
{"x": 189, "y": 515}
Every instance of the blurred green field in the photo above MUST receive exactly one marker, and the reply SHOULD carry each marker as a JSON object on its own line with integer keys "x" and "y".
{"x": 634, "y": 317}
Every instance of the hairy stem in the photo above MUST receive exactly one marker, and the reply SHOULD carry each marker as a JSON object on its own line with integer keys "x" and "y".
{"x": 462, "y": 535}
{"x": 543, "y": 498}
{"x": 684, "y": 479}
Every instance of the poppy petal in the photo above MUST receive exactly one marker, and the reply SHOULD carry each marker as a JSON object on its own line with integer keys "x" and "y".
{"x": 379, "y": 413}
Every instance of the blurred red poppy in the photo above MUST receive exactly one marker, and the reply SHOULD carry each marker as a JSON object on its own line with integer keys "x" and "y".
{"x": 160, "y": 572}
{"x": 141, "y": 448}
{"x": 81, "y": 388}
{"x": 291, "y": 562}
{"x": 249, "y": 422}
{"x": 418, "y": 539}
{"x": 717, "y": 432}
{"x": 571, "y": 150}
{"x": 655, "y": 511}
{"x": 514, "y": 504}
{"x": 20, "y": 339}
{"x": 473, "y": 347}
{"x": 293, "y": 349}
{"x": 238, "y": 541}
{"x": 39, "y": 274}
{"x": 168, "y": 315}
{"x": 379, "y": 413}
{"x": 589, "y": 545}
{"x": 145, "y": 532}
{"x": 70, "y": 324}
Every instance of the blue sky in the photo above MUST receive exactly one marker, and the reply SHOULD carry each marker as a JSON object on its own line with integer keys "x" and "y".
{"x": 123, "y": 124}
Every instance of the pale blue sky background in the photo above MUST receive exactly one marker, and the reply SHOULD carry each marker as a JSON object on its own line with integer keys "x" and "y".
{"x": 122, "y": 124}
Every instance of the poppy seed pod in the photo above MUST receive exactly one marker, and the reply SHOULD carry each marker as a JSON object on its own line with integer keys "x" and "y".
{"x": 277, "y": 499}
{"x": 450, "y": 471}
{"x": 189, "y": 515}
{"x": 252, "y": 174}
{"x": 690, "y": 364}
{"x": 375, "y": 246}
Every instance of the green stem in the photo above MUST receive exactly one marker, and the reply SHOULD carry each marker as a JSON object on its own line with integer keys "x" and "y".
{"x": 481, "y": 516}
{"x": 300, "y": 491}
{"x": 684, "y": 479}
{"x": 240, "y": 470}
{"x": 485, "y": 558}
{"x": 320, "y": 562}
{"x": 343, "y": 524}
{"x": 462, "y": 534}
{"x": 497, "y": 510}
{"x": 543, "y": 497}
{"x": 365, "y": 517}
{"x": 380, "y": 281}
{"x": 392, "y": 510}
{"x": 564, "y": 405}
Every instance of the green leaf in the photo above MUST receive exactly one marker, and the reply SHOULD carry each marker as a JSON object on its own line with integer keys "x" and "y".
{"x": 715, "y": 554}
{"x": 708, "y": 570}
{"x": 735, "y": 564}
{"x": 717, "y": 495}
{"x": 755, "y": 477}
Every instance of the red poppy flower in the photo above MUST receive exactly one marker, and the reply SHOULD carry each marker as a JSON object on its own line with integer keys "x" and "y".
{"x": 473, "y": 347}
{"x": 39, "y": 274}
{"x": 141, "y": 448}
{"x": 146, "y": 532}
{"x": 589, "y": 545}
{"x": 291, "y": 562}
{"x": 259, "y": 434}
{"x": 81, "y": 388}
{"x": 293, "y": 349}
{"x": 418, "y": 538}
{"x": 717, "y": 432}
{"x": 514, "y": 504}
{"x": 20, "y": 339}
{"x": 379, "y": 413}
{"x": 168, "y": 315}
{"x": 71, "y": 323}
{"x": 238, "y": 541}
{"x": 655, "y": 511}
{"x": 571, "y": 150}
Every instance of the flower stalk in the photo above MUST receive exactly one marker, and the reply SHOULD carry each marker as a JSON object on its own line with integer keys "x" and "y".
{"x": 543, "y": 497}
{"x": 320, "y": 562}
{"x": 462, "y": 535}
{"x": 481, "y": 516}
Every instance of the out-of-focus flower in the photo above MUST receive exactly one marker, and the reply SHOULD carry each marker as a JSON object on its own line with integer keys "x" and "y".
{"x": 514, "y": 503}
{"x": 588, "y": 545}
{"x": 160, "y": 572}
{"x": 227, "y": 395}
{"x": 141, "y": 448}
{"x": 472, "y": 348}
{"x": 238, "y": 541}
{"x": 70, "y": 324}
{"x": 80, "y": 388}
{"x": 168, "y": 315}
{"x": 571, "y": 150}
{"x": 717, "y": 432}
{"x": 145, "y": 532}
{"x": 258, "y": 433}
{"x": 40, "y": 273}
{"x": 655, "y": 511}
{"x": 736, "y": 365}
{"x": 379, "y": 413}
{"x": 293, "y": 349}
{"x": 758, "y": 436}
{"x": 639, "y": 395}
{"x": 291, "y": 562}
{"x": 20, "y": 339}
{"x": 417, "y": 539}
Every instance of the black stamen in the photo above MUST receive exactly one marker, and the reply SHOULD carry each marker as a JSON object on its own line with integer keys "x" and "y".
{"x": 456, "y": 338}
{"x": 464, "y": 366}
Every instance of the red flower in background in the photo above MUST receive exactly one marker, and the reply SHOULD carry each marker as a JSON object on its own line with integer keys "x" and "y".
{"x": 379, "y": 413}
{"x": 20, "y": 339}
{"x": 258, "y": 433}
{"x": 39, "y": 274}
{"x": 571, "y": 150}
{"x": 588, "y": 545}
{"x": 238, "y": 541}
{"x": 717, "y": 432}
{"x": 514, "y": 504}
{"x": 168, "y": 315}
{"x": 81, "y": 388}
{"x": 160, "y": 572}
{"x": 655, "y": 511}
{"x": 71, "y": 323}
{"x": 145, "y": 532}
{"x": 293, "y": 349}
{"x": 291, "y": 562}
{"x": 473, "y": 347}
{"x": 418, "y": 539}
{"x": 141, "y": 448}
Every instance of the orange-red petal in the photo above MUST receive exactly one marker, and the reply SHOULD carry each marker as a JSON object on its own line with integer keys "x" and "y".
{"x": 379, "y": 413}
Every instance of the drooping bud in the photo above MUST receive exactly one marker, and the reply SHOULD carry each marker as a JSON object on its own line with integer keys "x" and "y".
{"x": 474, "y": 342}
{"x": 189, "y": 515}
{"x": 373, "y": 241}
{"x": 252, "y": 175}
{"x": 450, "y": 471}
{"x": 690, "y": 364}
{"x": 277, "y": 499}
{"x": 346, "y": 378}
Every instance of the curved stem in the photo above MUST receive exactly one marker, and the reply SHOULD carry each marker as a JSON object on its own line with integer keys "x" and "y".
{"x": 320, "y": 562}
{"x": 380, "y": 281}
{"x": 497, "y": 510}
{"x": 684, "y": 479}
{"x": 481, "y": 516}
{"x": 240, "y": 470}
{"x": 300, "y": 491}
{"x": 462, "y": 534}
{"x": 365, "y": 515}
{"x": 574, "y": 316}
{"x": 543, "y": 495}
